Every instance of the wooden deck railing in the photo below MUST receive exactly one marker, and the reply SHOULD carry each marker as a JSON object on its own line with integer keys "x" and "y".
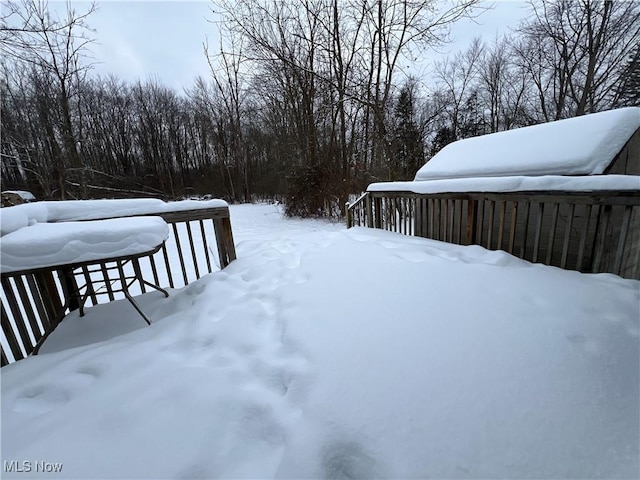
{"x": 585, "y": 231}
{"x": 32, "y": 304}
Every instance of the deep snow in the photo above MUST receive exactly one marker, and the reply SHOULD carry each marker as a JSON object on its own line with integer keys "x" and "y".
{"x": 547, "y": 183}
{"x": 51, "y": 244}
{"x": 583, "y": 145}
{"x": 325, "y": 353}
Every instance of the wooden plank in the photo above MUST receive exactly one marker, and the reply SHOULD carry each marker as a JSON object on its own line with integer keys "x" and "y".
{"x": 458, "y": 221}
{"x": 369, "y": 207}
{"x": 536, "y": 241}
{"x": 567, "y": 238}
{"x": 609, "y": 197}
{"x": 3, "y": 358}
{"x": 221, "y": 243}
{"x": 437, "y": 219}
{"x": 601, "y": 234}
{"x": 503, "y": 210}
{"x": 512, "y": 230}
{"x": 204, "y": 244}
{"x": 39, "y": 302}
{"x": 445, "y": 219}
{"x": 525, "y": 237}
{"x": 349, "y": 215}
{"x": 228, "y": 239}
{"x": 167, "y": 265}
{"x": 472, "y": 208}
{"x": 51, "y": 299}
{"x": 193, "y": 250}
{"x": 622, "y": 240}
{"x": 492, "y": 206}
{"x": 10, "y": 335}
{"x": 452, "y": 218}
{"x": 583, "y": 237}
{"x": 27, "y": 307}
{"x": 231, "y": 246}
{"x": 417, "y": 221}
{"x": 552, "y": 233}
{"x": 405, "y": 213}
{"x": 480, "y": 223}
{"x": 378, "y": 212}
{"x": 186, "y": 215}
{"x": 180, "y": 255}
{"x": 431, "y": 212}
{"x": 23, "y": 334}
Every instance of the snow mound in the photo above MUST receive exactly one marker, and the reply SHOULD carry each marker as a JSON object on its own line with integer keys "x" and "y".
{"x": 19, "y": 216}
{"x": 583, "y": 145}
{"x": 514, "y": 184}
{"x": 349, "y": 354}
{"x": 51, "y": 244}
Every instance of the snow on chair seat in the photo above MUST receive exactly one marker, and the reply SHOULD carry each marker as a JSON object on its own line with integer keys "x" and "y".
{"x": 69, "y": 246}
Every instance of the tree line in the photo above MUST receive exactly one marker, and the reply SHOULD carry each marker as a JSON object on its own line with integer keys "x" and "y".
{"x": 307, "y": 101}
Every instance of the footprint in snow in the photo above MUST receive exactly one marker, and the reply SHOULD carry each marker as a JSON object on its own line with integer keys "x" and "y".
{"x": 40, "y": 399}
{"x": 348, "y": 459}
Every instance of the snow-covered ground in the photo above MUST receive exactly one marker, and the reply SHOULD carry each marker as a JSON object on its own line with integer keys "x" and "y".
{"x": 331, "y": 353}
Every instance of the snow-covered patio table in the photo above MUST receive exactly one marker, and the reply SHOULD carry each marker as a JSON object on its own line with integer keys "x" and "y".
{"x": 69, "y": 246}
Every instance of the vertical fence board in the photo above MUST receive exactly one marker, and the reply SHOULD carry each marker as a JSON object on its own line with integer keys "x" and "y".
{"x": 490, "y": 224}
{"x": 514, "y": 223}
{"x": 567, "y": 237}
{"x": 167, "y": 264}
{"x": 14, "y": 308}
{"x": 38, "y": 301}
{"x": 536, "y": 240}
{"x": 205, "y": 246}
{"x": 180, "y": 255}
{"x": 583, "y": 237}
{"x": 601, "y": 235}
{"x": 193, "y": 249}
{"x": 12, "y": 340}
{"x": 28, "y": 309}
{"x": 503, "y": 210}
{"x": 552, "y": 232}
{"x": 525, "y": 237}
{"x": 622, "y": 240}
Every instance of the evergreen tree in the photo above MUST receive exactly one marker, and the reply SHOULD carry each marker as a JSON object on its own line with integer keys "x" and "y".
{"x": 407, "y": 144}
{"x": 627, "y": 91}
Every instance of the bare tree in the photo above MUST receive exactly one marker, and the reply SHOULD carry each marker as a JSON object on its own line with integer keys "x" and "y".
{"x": 56, "y": 47}
{"x": 573, "y": 50}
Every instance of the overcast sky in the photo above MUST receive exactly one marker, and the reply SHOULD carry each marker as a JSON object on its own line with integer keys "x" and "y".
{"x": 163, "y": 39}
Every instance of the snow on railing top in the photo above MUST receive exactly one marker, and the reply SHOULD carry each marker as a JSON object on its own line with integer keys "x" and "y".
{"x": 583, "y": 145}
{"x": 19, "y": 216}
{"x": 514, "y": 184}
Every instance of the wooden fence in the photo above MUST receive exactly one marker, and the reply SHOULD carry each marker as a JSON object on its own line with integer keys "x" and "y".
{"x": 585, "y": 231}
{"x": 33, "y": 303}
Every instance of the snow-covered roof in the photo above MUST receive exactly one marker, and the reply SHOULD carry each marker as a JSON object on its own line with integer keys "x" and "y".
{"x": 514, "y": 184}
{"x": 51, "y": 244}
{"x": 583, "y": 145}
{"x": 19, "y": 216}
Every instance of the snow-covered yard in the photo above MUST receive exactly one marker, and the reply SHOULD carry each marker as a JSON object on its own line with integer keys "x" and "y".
{"x": 331, "y": 353}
